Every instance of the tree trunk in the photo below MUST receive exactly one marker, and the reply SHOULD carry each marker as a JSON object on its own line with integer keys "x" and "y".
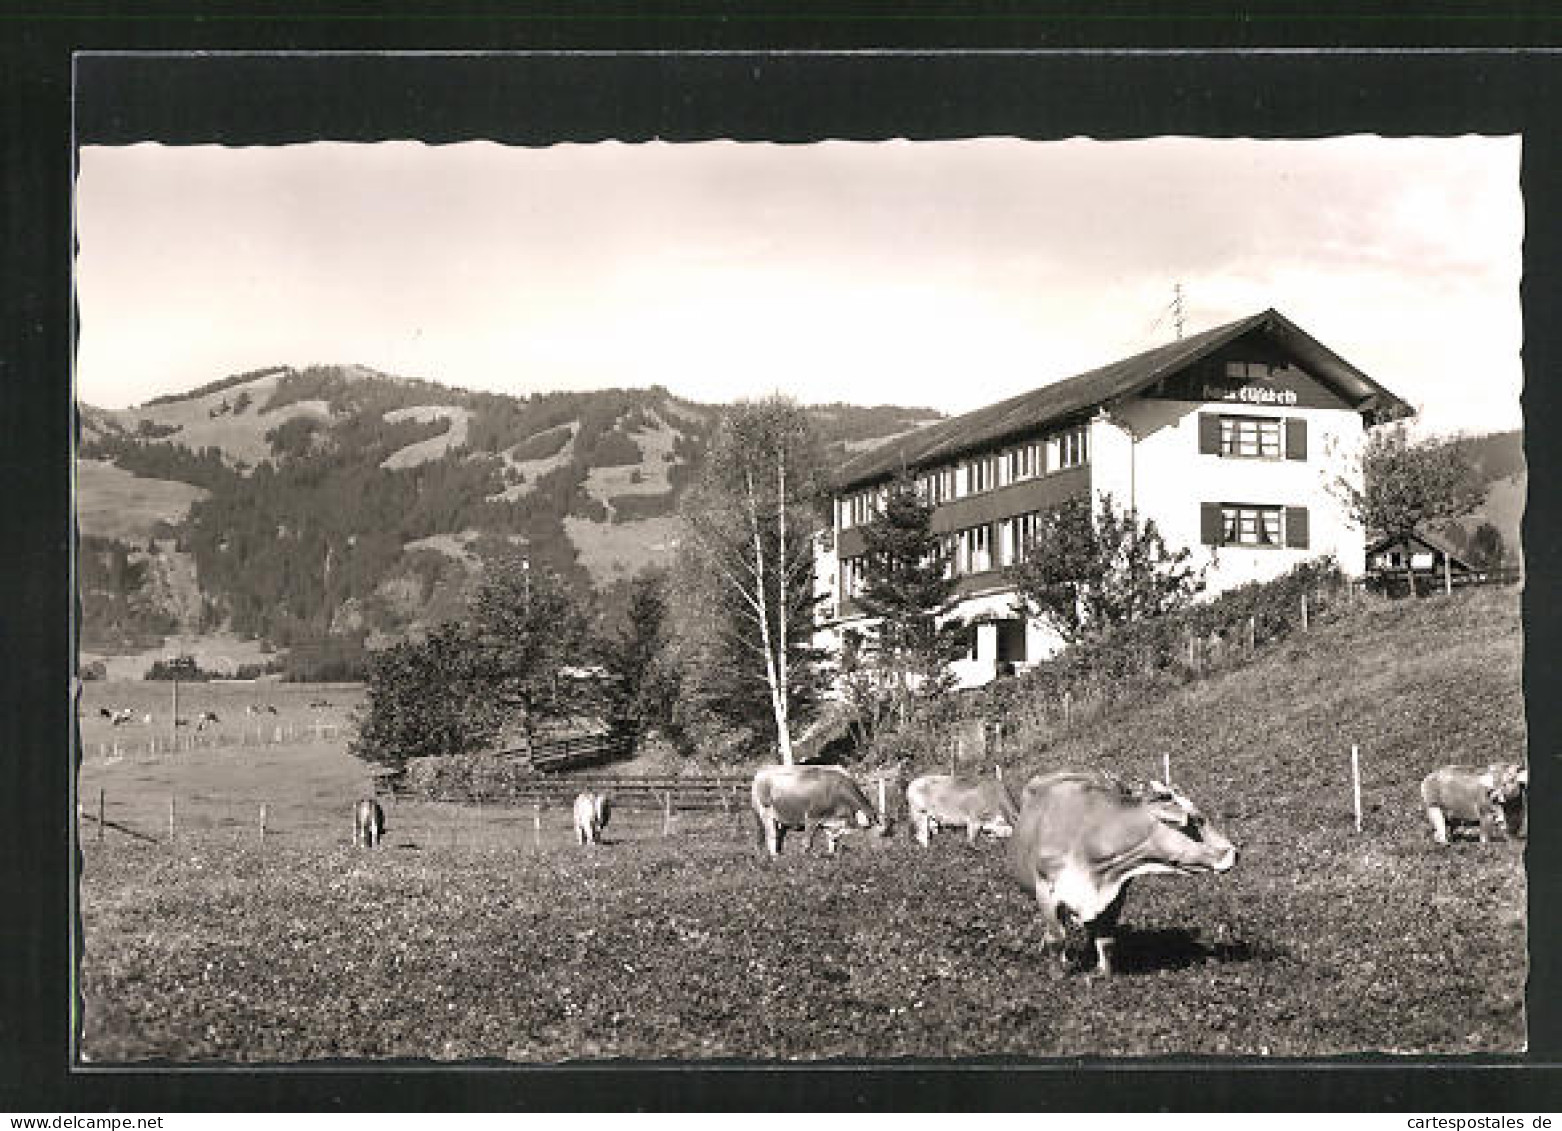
{"x": 772, "y": 676}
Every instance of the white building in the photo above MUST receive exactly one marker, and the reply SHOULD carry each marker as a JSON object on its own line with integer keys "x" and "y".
{"x": 1229, "y": 440}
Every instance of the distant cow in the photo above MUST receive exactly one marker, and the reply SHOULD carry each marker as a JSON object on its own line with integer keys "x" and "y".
{"x": 810, "y": 798}
{"x": 1082, "y": 837}
{"x": 368, "y": 823}
{"x": 206, "y": 717}
{"x": 592, "y": 811}
{"x": 121, "y": 716}
{"x": 1486, "y": 796}
{"x": 978, "y": 805}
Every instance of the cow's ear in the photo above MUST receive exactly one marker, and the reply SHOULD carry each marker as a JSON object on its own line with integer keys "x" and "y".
{"x": 1170, "y": 813}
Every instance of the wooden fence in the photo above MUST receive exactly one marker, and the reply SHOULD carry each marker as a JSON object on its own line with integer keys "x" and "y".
{"x": 575, "y": 751}
{"x": 715, "y": 792}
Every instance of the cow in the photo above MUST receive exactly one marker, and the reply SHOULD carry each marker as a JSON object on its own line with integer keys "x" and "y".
{"x": 368, "y": 823}
{"x": 810, "y": 798}
{"x": 206, "y": 717}
{"x": 979, "y": 805}
{"x": 121, "y": 716}
{"x": 592, "y": 811}
{"x": 1487, "y": 796}
{"x": 1082, "y": 837}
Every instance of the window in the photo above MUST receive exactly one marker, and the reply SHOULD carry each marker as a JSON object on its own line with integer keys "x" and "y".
{"x": 1245, "y": 524}
{"x": 936, "y": 487}
{"x": 1027, "y": 461}
{"x": 1250, "y": 437}
{"x": 973, "y": 550}
{"x": 1249, "y": 370}
{"x": 851, "y": 577}
{"x": 860, "y": 508}
{"x": 1250, "y": 526}
{"x": 1072, "y": 447}
{"x": 982, "y": 474}
{"x": 1016, "y": 535}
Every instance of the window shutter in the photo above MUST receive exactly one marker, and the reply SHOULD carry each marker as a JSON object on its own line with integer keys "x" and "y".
{"x": 1296, "y": 527}
{"x": 1209, "y": 434}
{"x": 1209, "y": 524}
{"x": 1296, "y": 439}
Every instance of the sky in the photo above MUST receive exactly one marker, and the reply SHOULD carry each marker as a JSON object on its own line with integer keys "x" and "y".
{"x": 945, "y": 274}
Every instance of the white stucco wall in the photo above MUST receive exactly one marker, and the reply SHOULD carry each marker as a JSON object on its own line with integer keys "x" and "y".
{"x": 1166, "y": 478}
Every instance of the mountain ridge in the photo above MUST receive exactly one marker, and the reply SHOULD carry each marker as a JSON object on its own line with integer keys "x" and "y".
{"x": 334, "y": 500}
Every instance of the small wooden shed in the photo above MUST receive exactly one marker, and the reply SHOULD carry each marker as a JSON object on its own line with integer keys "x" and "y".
{"x": 1427, "y": 558}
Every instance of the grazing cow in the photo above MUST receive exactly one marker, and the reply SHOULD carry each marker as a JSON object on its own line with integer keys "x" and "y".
{"x": 592, "y": 811}
{"x": 1082, "y": 837}
{"x": 105, "y": 712}
{"x": 1486, "y": 796}
{"x": 368, "y": 823}
{"x": 206, "y": 717}
{"x": 979, "y": 805}
{"x": 810, "y": 798}
{"x": 121, "y": 716}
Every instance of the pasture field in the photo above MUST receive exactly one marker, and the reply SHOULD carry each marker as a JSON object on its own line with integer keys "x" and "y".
{"x": 464, "y": 937}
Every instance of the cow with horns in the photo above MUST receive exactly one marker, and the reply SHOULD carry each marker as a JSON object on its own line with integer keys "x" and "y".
{"x": 1083, "y": 837}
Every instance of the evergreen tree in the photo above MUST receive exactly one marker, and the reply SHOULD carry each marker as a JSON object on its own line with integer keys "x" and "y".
{"x": 906, "y": 583}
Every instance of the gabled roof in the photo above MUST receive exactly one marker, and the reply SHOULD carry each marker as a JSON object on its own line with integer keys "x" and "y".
{"x": 995, "y": 423}
{"x": 1426, "y": 539}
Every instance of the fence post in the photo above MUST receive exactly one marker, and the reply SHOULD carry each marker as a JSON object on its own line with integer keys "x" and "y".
{"x": 1166, "y": 767}
{"x": 100, "y": 814}
{"x": 1252, "y": 634}
{"x": 537, "y": 826}
{"x": 172, "y": 826}
{"x": 883, "y": 788}
{"x": 1355, "y": 776}
{"x": 667, "y": 813}
{"x": 1448, "y": 576}
{"x": 1068, "y": 703}
{"x": 262, "y": 822}
{"x": 1304, "y": 612}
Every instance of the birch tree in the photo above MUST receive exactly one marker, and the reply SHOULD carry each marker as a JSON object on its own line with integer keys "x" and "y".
{"x": 748, "y": 558}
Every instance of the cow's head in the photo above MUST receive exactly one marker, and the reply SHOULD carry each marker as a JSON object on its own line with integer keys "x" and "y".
{"x": 998, "y": 825}
{"x": 882, "y": 822}
{"x": 1505, "y": 784}
{"x": 1209, "y": 850}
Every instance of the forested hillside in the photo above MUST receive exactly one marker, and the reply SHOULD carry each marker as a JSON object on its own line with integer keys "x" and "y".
{"x": 334, "y": 501}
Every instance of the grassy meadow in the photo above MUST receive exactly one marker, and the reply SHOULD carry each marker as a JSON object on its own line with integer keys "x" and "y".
{"x": 471, "y": 935}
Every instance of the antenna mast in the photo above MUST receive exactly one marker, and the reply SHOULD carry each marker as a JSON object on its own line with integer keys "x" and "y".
{"x": 1177, "y": 309}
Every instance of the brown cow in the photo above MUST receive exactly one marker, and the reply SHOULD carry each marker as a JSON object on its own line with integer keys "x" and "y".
{"x": 1083, "y": 837}
{"x": 810, "y": 798}
{"x": 592, "y": 811}
{"x": 368, "y": 823}
{"x": 978, "y": 805}
{"x": 1487, "y": 796}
